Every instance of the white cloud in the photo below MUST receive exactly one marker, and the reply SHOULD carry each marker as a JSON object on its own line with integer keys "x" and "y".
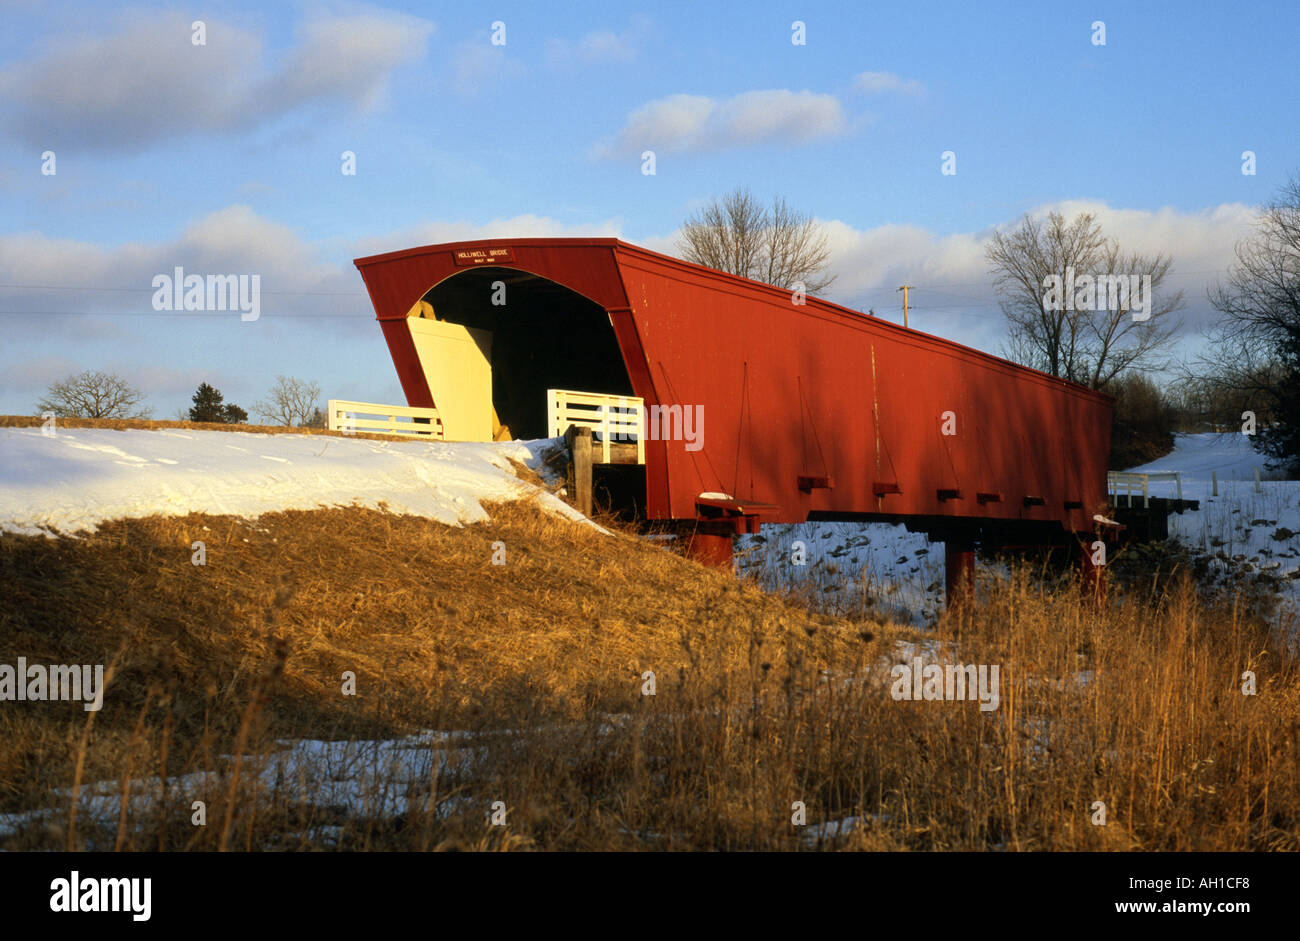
{"x": 347, "y": 58}
{"x": 602, "y": 45}
{"x": 875, "y": 83}
{"x": 236, "y": 239}
{"x": 696, "y": 123}
{"x": 672, "y": 123}
{"x": 146, "y": 82}
{"x": 90, "y": 279}
{"x": 1201, "y": 243}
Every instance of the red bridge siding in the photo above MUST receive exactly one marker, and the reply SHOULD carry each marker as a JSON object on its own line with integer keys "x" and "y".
{"x": 776, "y": 379}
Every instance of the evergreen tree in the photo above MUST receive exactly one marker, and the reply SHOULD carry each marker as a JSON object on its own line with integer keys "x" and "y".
{"x": 1281, "y": 441}
{"x": 209, "y": 406}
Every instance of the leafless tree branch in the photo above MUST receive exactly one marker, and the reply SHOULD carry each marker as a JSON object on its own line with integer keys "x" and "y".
{"x": 776, "y": 245}
{"x": 290, "y": 402}
{"x": 93, "y": 394}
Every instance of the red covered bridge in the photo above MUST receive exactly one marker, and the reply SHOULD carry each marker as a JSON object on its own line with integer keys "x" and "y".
{"x": 809, "y": 410}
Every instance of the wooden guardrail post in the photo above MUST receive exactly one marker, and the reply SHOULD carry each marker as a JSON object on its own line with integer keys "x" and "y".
{"x": 578, "y": 439}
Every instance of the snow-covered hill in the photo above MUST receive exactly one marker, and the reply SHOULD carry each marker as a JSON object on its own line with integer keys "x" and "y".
{"x": 1231, "y": 456}
{"x": 77, "y": 478}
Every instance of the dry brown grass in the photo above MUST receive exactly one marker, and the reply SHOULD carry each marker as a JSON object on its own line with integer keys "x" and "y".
{"x": 437, "y": 635}
{"x": 759, "y": 703}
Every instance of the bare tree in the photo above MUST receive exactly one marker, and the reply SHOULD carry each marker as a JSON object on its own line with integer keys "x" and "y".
{"x": 93, "y": 394}
{"x": 1233, "y": 374}
{"x": 1145, "y": 418}
{"x": 1254, "y": 358}
{"x": 776, "y": 245}
{"x": 290, "y": 402}
{"x": 1093, "y": 342}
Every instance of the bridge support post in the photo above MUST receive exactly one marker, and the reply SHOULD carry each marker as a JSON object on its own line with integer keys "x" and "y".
{"x": 958, "y": 568}
{"x": 578, "y": 439}
{"x": 709, "y": 543}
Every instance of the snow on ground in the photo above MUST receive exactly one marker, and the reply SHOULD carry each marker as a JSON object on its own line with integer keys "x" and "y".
{"x": 841, "y": 565}
{"x": 80, "y": 477}
{"x": 1261, "y": 529}
{"x": 815, "y": 835}
{"x": 1196, "y": 456}
{"x": 353, "y": 778}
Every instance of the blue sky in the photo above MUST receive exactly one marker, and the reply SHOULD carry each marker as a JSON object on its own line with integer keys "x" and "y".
{"x": 226, "y": 157}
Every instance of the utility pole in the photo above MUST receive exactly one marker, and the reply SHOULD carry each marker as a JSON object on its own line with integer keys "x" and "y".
{"x": 905, "y": 288}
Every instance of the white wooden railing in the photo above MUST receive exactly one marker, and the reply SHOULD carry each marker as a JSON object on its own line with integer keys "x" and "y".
{"x": 611, "y": 417}
{"x": 1122, "y": 480}
{"x": 372, "y": 418}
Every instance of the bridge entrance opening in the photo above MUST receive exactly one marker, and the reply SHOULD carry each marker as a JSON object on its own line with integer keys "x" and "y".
{"x": 492, "y": 341}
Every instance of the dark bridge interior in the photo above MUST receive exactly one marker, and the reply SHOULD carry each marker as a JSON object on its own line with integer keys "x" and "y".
{"x": 543, "y": 337}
